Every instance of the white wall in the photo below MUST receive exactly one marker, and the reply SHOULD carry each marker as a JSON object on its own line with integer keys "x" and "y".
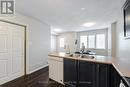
{"x": 38, "y": 41}
{"x": 120, "y": 45}
{"x": 112, "y": 40}
{"x": 123, "y": 45}
{"x": 53, "y": 43}
{"x": 70, "y": 38}
{"x": 109, "y": 40}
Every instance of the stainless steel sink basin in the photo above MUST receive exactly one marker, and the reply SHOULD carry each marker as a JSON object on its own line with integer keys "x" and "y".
{"x": 87, "y": 56}
{"x": 74, "y": 55}
{"x": 81, "y": 56}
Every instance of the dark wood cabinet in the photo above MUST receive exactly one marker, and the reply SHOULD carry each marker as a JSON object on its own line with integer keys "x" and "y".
{"x": 86, "y": 74}
{"x": 114, "y": 77}
{"x": 79, "y": 73}
{"x": 102, "y": 75}
{"x": 70, "y": 72}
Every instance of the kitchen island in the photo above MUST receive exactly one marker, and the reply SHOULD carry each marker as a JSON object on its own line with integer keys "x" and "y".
{"x": 102, "y": 65}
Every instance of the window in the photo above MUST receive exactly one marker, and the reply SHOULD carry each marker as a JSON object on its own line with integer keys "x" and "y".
{"x": 100, "y": 41}
{"x": 83, "y": 39}
{"x": 91, "y": 41}
{"x": 62, "y": 42}
{"x": 94, "y": 41}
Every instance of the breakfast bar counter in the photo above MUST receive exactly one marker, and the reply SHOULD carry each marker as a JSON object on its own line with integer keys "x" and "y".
{"x": 121, "y": 65}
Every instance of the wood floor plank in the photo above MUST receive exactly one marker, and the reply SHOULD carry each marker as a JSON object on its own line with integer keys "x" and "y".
{"x": 39, "y": 78}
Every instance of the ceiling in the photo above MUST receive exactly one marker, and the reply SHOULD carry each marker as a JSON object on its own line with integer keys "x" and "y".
{"x": 69, "y": 15}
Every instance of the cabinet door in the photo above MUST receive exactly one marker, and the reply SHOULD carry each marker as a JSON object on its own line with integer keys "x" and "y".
{"x": 86, "y": 74}
{"x": 114, "y": 77}
{"x": 56, "y": 69}
{"x": 70, "y": 72}
{"x": 102, "y": 75}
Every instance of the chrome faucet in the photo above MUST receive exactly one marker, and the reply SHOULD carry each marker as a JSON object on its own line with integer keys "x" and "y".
{"x": 82, "y": 49}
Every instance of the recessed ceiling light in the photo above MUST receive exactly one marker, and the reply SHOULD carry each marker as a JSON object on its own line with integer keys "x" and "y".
{"x": 89, "y": 24}
{"x": 57, "y": 30}
{"x": 54, "y": 33}
{"x": 83, "y": 9}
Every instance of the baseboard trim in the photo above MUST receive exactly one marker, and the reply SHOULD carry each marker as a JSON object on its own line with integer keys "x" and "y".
{"x": 37, "y": 73}
{"x": 14, "y": 82}
{"x": 23, "y": 80}
{"x": 38, "y": 69}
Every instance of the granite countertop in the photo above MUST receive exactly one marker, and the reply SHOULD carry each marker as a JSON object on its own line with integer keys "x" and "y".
{"x": 121, "y": 65}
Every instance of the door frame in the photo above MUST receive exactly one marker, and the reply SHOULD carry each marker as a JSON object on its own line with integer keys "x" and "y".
{"x": 25, "y": 42}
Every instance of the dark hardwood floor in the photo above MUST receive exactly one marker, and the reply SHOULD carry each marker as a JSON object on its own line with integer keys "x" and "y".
{"x": 36, "y": 79}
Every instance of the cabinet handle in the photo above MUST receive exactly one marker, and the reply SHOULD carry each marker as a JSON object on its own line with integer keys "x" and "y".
{"x": 89, "y": 82}
{"x": 86, "y": 83}
{"x": 98, "y": 69}
{"x": 97, "y": 75}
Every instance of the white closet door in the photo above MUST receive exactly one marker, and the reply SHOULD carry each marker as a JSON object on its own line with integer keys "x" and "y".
{"x": 11, "y": 52}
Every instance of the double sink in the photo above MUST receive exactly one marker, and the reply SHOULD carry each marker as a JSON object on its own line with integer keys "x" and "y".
{"x": 81, "y": 55}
